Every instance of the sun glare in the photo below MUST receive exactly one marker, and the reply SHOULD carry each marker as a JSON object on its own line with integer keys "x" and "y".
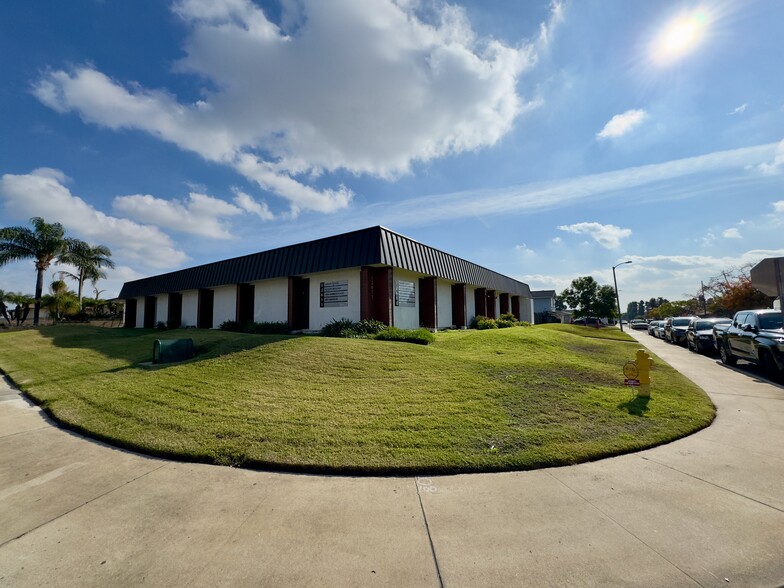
{"x": 679, "y": 37}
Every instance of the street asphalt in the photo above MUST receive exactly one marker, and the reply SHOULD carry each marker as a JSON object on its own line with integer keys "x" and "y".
{"x": 707, "y": 510}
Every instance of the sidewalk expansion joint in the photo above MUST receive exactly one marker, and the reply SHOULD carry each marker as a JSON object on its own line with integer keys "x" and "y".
{"x": 75, "y": 508}
{"x": 44, "y": 426}
{"x": 429, "y": 536}
{"x": 746, "y": 395}
{"x": 627, "y": 530}
{"x": 715, "y": 485}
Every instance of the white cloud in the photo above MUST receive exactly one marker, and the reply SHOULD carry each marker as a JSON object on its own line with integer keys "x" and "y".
{"x": 546, "y": 29}
{"x": 366, "y": 86}
{"x": 200, "y": 214}
{"x": 708, "y": 239}
{"x": 776, "y": 164}
{"x": 778, "y": 206}
{"x": 622, "y": 124}
{"x": 739, "y": 109}
{"x": 732, "y": 233}
{"x": 523, "y": 249}
{"x": 673, "y": 277}
{"x": 42, "y": 193}
{"x": 557, "y": 240}
{"x": 691, "y": 177}
{"x": 608, "y": 236}
{"x": 546, "y": 282}
{"x": 248, "y": 204}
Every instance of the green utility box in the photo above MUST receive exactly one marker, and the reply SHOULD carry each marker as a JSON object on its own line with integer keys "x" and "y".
{"x": 171, "y": 350}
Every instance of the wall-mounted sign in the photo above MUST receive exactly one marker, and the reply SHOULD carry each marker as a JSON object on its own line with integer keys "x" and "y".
{"x": 405, "y": 293}
{"x": 333, "y": 294}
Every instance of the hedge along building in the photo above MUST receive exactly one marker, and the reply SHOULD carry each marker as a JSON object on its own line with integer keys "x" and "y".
{"x": 373, "y": 273}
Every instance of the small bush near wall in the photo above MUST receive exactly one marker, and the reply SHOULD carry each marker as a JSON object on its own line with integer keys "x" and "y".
{"x": 343, "y": 328}
{"x": 503, "y": 322}
{"x": 482, "y": 322}
{"x": 419, "y": 336}
{"x": 370, "y": 329}
{"x": 264, "y": 328}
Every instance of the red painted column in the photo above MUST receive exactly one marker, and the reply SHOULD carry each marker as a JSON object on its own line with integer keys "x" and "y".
{"x": 459, "y": 318}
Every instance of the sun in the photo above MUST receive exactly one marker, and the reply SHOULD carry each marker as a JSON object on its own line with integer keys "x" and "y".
{"x": 682, "y": 35}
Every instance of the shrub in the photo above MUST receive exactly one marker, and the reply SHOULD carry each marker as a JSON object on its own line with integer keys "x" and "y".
{"x": 266, "y": 328}
{"x": 483, "y": 323}
{"x": 339, "y": 328}
{"x": 419, "y": 336}
{"x": 234, "y": 326}
{"x": 369, "y": 327}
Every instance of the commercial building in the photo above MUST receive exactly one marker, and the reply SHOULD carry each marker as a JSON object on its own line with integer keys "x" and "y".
{"x": 373, "y": 273}
{"x": 768, "y": 277}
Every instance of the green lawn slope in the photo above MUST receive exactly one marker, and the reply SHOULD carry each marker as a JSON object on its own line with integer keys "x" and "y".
{"x": 493, "y": 400}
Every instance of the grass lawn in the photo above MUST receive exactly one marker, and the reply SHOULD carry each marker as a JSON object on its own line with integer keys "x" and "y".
{"x": 493, "y": 400}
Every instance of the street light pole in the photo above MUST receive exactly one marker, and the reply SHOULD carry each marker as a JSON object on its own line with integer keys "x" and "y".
{"x": 617, "y": 297}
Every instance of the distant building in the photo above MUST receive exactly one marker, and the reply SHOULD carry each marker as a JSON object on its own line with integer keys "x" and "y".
{"x": 768, "y": 277}
{"x": 544, "y": 306}
{"x": 373, "y": 273}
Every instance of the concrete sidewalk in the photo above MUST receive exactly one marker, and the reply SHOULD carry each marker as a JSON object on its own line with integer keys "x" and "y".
{"x": 707, "y": 510}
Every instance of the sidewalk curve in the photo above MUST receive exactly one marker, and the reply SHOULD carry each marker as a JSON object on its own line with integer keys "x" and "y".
{"x": 707, "y": 510}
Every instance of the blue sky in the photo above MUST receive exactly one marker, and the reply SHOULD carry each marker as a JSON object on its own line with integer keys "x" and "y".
{"x": 544, "y": 140}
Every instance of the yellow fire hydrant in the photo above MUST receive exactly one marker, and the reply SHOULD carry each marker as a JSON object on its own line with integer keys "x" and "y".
{"x": 644, "y": 363}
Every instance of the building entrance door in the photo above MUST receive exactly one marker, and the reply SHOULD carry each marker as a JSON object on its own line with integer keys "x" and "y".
{"x": 299, "y": 303}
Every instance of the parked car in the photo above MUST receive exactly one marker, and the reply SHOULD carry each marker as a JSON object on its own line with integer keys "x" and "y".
{"x": 639, "y": 324}
{"x": 653, "y": 328}
{"x": 675, "y": 329}
{"x": 756, "y": 336}
{"x": 590, "y": 321}
{"x": 699, "y": 334}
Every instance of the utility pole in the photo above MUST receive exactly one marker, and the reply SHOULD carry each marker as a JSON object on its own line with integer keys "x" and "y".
{"x": 617, "y": 297}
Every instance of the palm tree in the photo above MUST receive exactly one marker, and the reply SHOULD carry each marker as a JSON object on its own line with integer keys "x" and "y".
{"x": 3, "y": 307}
{"x": 45, "y": 243}
{"x": 88, "y": 261}
{"x": 22, "y": 302}
{"x": 61, "y": 302}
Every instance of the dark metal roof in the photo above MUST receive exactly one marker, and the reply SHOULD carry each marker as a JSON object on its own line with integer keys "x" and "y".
{"x": 372, "y": 246}
{"x": 543, "y": 294}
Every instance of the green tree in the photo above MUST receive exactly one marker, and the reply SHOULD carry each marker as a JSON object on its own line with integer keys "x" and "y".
{"x": 605, "y": 305}
{"x": 588, "y": 298}
{"x": 62, "y": 302}
{"x": 632, "y": 309}
{"x": 88, "y": 261}
{"x": 44, "y": 243}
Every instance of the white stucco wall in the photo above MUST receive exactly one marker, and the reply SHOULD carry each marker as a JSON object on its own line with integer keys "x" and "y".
{"x": 527, "y": 309}
{"x": 271, "y": 301}
{"x": 323, "y": 316}
{"x": 405, "y": 317}
{"x": 140, "y": 312}
{"x": 224, "y": 305}
{"x": 444, "y": 293}
{"x": 162, "y": 308}
{"x": 190, "y": 308}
